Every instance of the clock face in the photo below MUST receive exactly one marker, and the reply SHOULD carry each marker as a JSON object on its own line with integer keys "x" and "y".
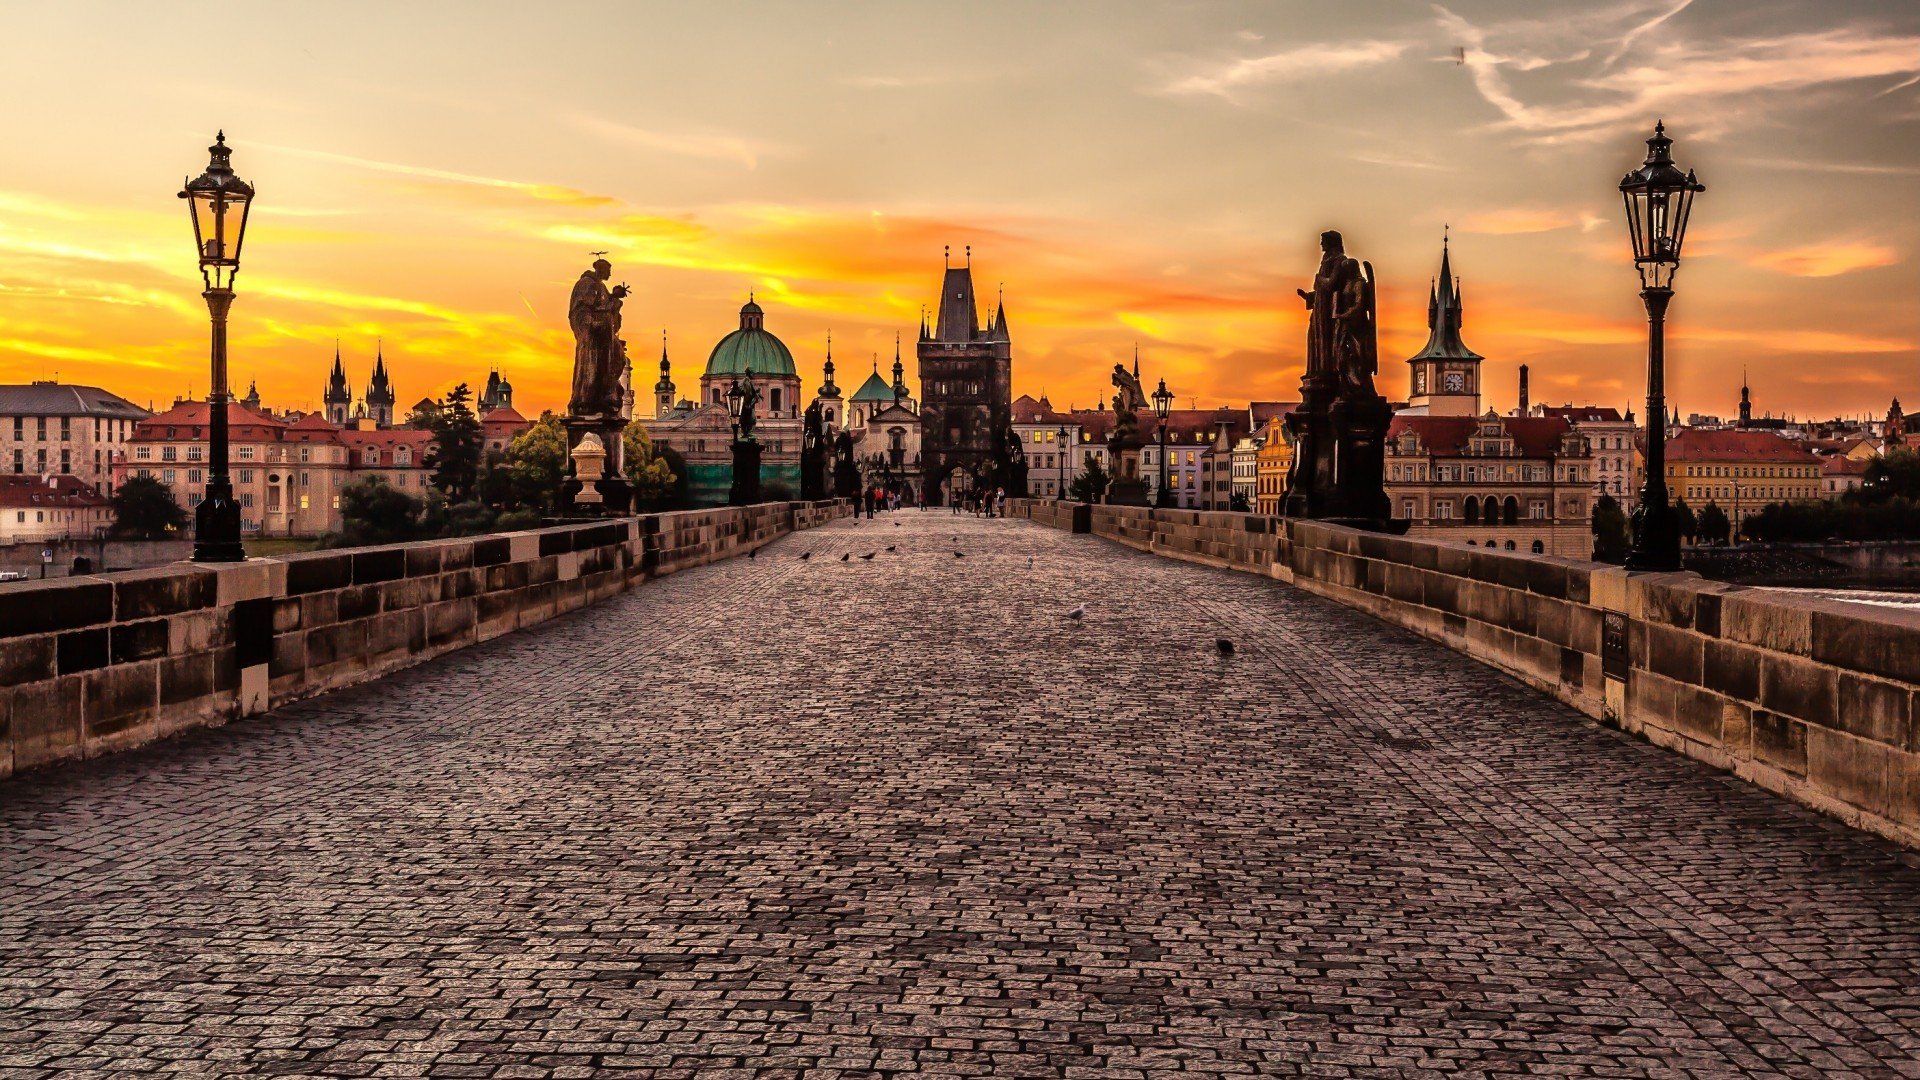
{"x": 1454, "y": 382}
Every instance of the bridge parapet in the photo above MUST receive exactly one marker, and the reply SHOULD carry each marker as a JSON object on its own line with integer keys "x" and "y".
{"x": 94, "y": 664}
{"x": 1816, "y": 700}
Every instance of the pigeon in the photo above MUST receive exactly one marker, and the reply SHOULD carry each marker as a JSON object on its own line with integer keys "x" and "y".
{"x": 847, "y": 556}
{"x": 959, "y": 554}
{"x": 1078, "y": 613}
{"x": 890, "y": 547}
{"x": 896, "y": 524}
{"x": 805, "y": 556}
{"x": 754, "y": 554}
{"x": 1225, "y": 646}
{"x": 868, "y": 556}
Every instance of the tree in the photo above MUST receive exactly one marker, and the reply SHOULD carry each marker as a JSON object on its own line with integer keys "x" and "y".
{"x": 455, "y": 456}
{"x": 143, "y": 507}
{"x": 373, "y": 511}
{"x": 652, "y": 479}
{"x": 1091, "y": 485}
{"x": 1714, "y": 526}
{"x": 1892, "y": 476}
{"x": 1685, "y": 523}
{"x": 536, "y": 462}
{"x": 1611, "y": 533}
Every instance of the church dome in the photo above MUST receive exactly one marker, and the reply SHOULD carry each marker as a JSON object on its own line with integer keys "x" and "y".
{"x": 751, "y": 349}
{"x": 874, "y": 389}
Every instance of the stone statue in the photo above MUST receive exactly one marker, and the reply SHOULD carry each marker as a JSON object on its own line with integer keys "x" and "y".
{"x": 593, "y": 312}
{"x": 1131, "y": 398}
{"x": 750, "y": 397}
{"x": 626, "y": 381}
{"x": 1342, "y": 339}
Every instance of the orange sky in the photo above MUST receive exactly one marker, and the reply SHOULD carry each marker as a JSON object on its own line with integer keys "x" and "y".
{"x": 435, "y": 176}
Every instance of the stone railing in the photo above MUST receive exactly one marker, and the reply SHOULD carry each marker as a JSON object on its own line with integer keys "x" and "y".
{"x": 1815, "y": 700}
{"x": 94, "y": 664}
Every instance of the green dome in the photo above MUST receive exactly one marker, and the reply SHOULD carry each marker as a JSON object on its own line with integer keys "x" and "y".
{"x": 751, "y": 349}
{"x": 874, "y": 389}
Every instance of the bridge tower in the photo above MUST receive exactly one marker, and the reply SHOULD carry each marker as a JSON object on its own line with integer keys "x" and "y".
{"x": 966, "y": 383}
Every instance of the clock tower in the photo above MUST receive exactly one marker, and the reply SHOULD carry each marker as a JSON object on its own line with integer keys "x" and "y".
{"x": 1445, "y": 376}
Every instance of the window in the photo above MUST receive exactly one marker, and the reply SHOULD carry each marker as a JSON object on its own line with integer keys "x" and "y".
{"x": 66, "y": 461}
{"x": 19, "y": 460}
{"x": 143, "y": 453}
{"x": 1443, "y": 510}
{"x": 303, "y": 502}
{"x": 306, "y": 453}
{"x": 403, "y": 456}
{"x": 40, "y": 428}
{"x": 169, "y": 453}
{"x": 246, "y": 476}
{"x": 372, "y": 456}
{"x": 166, "y": 476}
{"x": 244, "y": 453}
{"x": 66, "y": 429}
{"x": 246, "y": 499}
{"x": 20, "y": 432}
{"x": 40, "y": 457}
{"x": 196, "y": 453}
{"x": 194, "y": 476}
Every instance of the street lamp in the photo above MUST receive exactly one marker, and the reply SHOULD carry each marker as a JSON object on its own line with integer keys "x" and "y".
{"x": 218, "y": 202}
{"x": 1162, "y": 406}
{"x": 1061, "y": 435}
{"x": 1659, "y": 198}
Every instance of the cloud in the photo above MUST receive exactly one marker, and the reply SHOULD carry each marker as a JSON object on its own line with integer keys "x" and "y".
{"x": 543, "y": 192}
{"x": 702, "y": 146}
{"x": 1287, "y": 65}
{"x": 1518, "y": 220}
{"x": 1719, "y": 83}
{"x": 1827, "y": 259}
{"x": 895, "y": 82}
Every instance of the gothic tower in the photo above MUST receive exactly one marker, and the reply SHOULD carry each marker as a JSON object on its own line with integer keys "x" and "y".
{"x": 966, "y": 386}
{"x": 1746, "y": 402}
{"x": 380, "y": 394}
{"x": 337, "y": 400}
{"x": 833, "y": 415}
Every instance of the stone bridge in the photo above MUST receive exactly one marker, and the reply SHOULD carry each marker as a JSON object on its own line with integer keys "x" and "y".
{"x": 832, "y": 816}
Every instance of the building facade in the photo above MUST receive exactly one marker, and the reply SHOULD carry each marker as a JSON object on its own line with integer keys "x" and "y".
{"x": 59, "y": 429}
{"x": 35, "y": 509}
{"x": 287, "y": 475}
{"x": 1049, "y": 438}
{"x": 1510, "y": 482}
{"x": 1610, "y": 439}
{"x": 1739, "y": 471}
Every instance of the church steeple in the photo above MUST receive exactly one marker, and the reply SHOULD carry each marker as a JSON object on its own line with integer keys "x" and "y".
{"x": 899, "y": 372}
{"x": 663, "y": 391}
{"x": 1746, "y": 400}
{"x": 380, "y": 395}
{"x": 1445, "y": 373}
{"x": 337, "y": 399}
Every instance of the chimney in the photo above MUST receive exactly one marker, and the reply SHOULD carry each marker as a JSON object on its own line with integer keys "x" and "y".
{"x": 1523, "y": 390}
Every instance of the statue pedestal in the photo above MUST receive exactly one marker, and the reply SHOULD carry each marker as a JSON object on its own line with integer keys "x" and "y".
{"x": 1310, "y": 478}
{"x": 745, "y": 490}
{"x": 1128, "y": 487}
{"x": 1359, "y": 496}
{"x": 611, "y": 495}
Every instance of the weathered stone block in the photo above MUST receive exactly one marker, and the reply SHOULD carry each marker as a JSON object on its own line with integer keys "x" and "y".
{"x": 82, "y": 650}
{"x": 45, "y": 720}
{"x": 1756, "y": 618}
{"x": 1856, "y": 771}
{"x": 1798, "y": 688}
{"x": 162, "y": 590}
{"x": 1873, "y": 709}
{"x": 1887, "y": 645}
{"x": 39, "y": 607}
{"x": 140, "y": 640}
{"x": 27, "y": 659}
{"x": 186, "y": 679}
{"x": 374, "y": 565}
{"x": 1676, "y": 654}
{"x": 318, "y": 571}
{"x": 1731, "y": 669}
{"x": 356, "y": 602}
{"x": 1779, "y": 741}
{"x": 120, "y": 699}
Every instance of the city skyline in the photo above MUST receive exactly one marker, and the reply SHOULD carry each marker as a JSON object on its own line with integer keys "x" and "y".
{"x": 1127, "y": 181}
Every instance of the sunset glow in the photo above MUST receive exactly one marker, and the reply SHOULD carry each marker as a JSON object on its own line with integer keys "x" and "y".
{"x": 432, "y": 178}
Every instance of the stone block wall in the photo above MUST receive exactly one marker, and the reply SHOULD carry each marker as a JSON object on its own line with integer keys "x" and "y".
{"x": 94, "y": 664}
{"x": 1815, "y": 700}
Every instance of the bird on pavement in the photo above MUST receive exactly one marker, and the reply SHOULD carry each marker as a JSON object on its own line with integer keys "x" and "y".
{"x": 847, "y": 556}
{"x": 890, "y": 547}
{"x": 959, "y": 554}
{"x": 754, "y": 554}
{"x": 1078, "y": 613}
{"x": 868, "y": 556}
{"x": 804, "y": 556}
{"x": 1225, "y": 646}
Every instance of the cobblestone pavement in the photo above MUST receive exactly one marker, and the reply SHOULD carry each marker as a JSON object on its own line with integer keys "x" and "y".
{"x": 853, "y": 818}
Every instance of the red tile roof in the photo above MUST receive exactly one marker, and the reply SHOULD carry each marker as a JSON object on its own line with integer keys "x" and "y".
{"x": 1592, "y": 414}
{"x": 190, "y": 420}
{"x": 387, "y": 438}
{"x": 1843, "y": 466}
{"x": 53, "y": 492}
{"x": 1450, "y": 436}
{"x": 1695, "y": 444}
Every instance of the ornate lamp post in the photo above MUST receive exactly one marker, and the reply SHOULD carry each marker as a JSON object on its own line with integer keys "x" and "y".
{"x": 1162, "y": 407}
{"x": 737, "y": 492}
{"x": 1061, "y": 435}
{"x": 218, "y": 201}
{"x": 1659, "y": 198}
